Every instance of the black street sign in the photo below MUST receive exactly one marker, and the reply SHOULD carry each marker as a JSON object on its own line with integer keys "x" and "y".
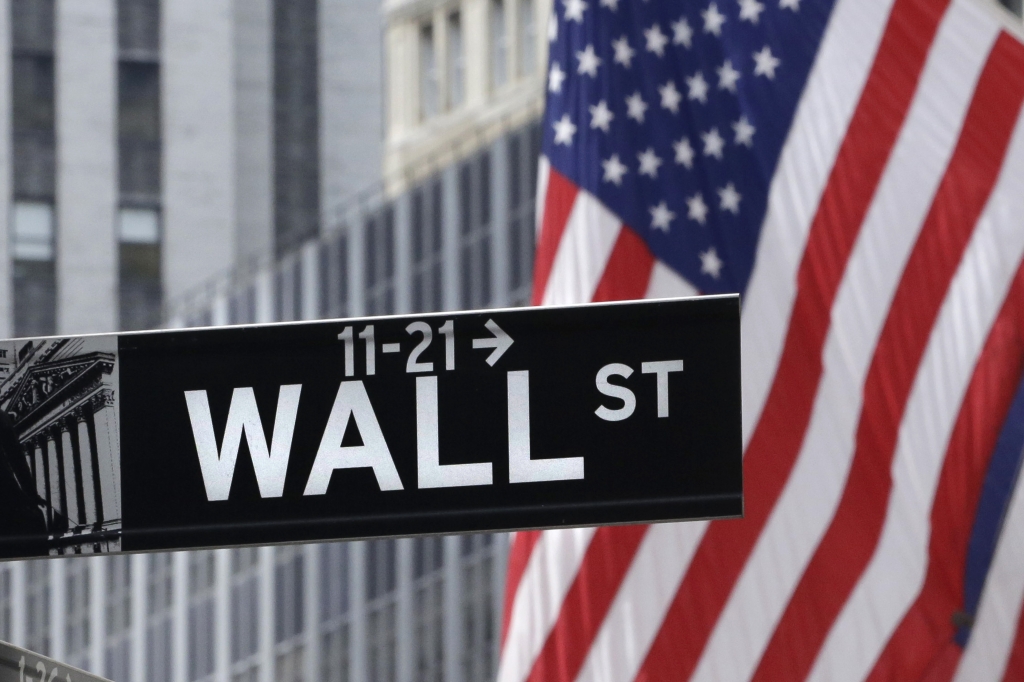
{"x": 434, "y": 423}
{"x": 22, "y": 665}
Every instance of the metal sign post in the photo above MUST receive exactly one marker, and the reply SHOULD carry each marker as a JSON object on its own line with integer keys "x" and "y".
{"x": 22, "y": 665}
{"x": 435, "y": 423}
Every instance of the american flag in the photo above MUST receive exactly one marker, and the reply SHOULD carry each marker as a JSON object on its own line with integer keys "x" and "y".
{"x": 855, "y": 168}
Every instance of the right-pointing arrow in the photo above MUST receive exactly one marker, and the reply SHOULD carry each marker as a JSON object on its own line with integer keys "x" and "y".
{"x": 500, "y": 343}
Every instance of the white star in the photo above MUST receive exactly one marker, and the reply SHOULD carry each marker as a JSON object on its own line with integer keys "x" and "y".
{"x": 589, "y": 61}
{"x": 697, "y": 209}
{"x": 613, "y": 5}
{"x": 727, "y": 77}
{"x": 684, "y": 152}
{"x": 729, "y": 199}
{"x": 744, "y": 132}
{"x": 698, "y": 88}
{"x": 765, "y": 63}
{"x": 682, "y": 34}
{"x": 614, "y": 170}
{"x": 601, "y": 116}
{"x": 656, "y": 40}
{"x": 552, "y": 28}
{"x": 670, "y": 97}
{"x": 555, "y": 78}
{"x": 623, "y": 52}
{"x": 564, "y": 130}
{"x": 574, "y": 10}
{"x": 661, "y": 217}
{"x": 649, "y": 163}
{"x": 713, "y": 20}
{"x": 790, "y": 4}
{"x": 710, "y": 263}
{"x": 636, "y": 107}
{"x": 713, "y": 143}
{"x": 750, "y": 10}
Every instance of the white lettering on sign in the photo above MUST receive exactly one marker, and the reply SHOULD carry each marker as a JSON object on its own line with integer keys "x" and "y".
{"x": 662, "y": 369}
{"x": 352, "y": 402}
{"x": 522, "y": 469}
{"x": 430, "y": 472}
{"x": 611, "y": 390}
{"x": 414, "y": 365}
{"x": 218, "y": 466}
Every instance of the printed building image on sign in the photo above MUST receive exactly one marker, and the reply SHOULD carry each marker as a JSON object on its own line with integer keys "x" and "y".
{"x": 439, "y": 423}
{"x": 59, "y": 455}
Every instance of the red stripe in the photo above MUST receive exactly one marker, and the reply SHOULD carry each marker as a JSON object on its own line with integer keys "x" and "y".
{"x": 557, "y": 206}
{"x": 1015, "y": 666}
{"x": 586, "y": 604}
{"x": 776, "y": 440}
{"x": 851, "y": 538}
{"x": 628, "y": 272}
{"x": 926, "y": 631}
{"x": 518, "y": 557}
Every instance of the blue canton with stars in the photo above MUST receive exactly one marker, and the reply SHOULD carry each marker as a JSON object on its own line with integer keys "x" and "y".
{"x": 674, "y": 115}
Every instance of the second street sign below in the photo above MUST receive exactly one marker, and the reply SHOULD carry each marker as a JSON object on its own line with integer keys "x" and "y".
{"x": 440, "y": 423}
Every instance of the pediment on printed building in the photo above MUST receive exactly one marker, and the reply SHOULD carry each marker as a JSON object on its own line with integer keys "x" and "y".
{"x": 50, "y": 384}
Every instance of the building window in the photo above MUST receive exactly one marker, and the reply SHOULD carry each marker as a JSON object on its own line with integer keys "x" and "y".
{"x": 201, "y": 629}
{"x": 289, "y": 600}
{"x": 334, "y": 276}
{"x": 381, "y": 610}
{"x": 527, "y": 38}
{"x": 428, "y": 590}
{"x": 499, "y": 44}
{"x": 35, "y": 293}
{"x": 139, "y": 151}
{"x": 427, "y": 253}
{"x": 334, "y": 612}
{"x": 296, "y": 124}
{"x": 477, "y": 607}
{"x": 118, "y": 650}
{"x": 524, "y": 149}
{"x": 456, "y": 61}
{"x": 33, "y": 167}
{"x": 475, "y": 230}
{"x": 430, "y": 96}
{"x": 139, "y": 268}
{"x": 77, "y": 632}
{"x": 37, "y": 606}
{"x": 380, "y": 263}
{"x": 138, "y": 29}
{"x": 245, "y": 614}
{"x": 6, "y": 604}
{"x": 159, "y": 612}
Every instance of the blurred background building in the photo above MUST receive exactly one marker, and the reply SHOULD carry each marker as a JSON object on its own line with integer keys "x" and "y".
{"x": 231, "y": 161}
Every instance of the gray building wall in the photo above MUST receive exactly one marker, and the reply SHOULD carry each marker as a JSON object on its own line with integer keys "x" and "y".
{"x": 351, "y": 100}
{"x": 254, "y": 164}
{"x": 199, "y": 141}
{"x": 86, "y": 134}
{"x": 6, "y": 300}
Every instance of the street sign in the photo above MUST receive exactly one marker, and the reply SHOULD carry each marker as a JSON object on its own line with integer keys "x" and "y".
{"x": 22, "y": 665}
{"x": 434, "y": 423}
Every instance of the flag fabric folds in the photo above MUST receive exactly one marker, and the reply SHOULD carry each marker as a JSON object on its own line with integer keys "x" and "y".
{"x": 855, "y": 168}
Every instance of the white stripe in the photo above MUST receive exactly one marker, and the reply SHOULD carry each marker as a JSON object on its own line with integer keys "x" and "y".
{"x": 635, "y": 617}
{"x": 548, "y": 576}
{"x": 543, "y": 174}
{"x": 587, "y": 243}
{"x": 897, "y": 570}
{"x": 830, "y": 98}
{"x": 667, "y": 283}
{"x": 812, "y": 492}
{"x": 999, "y": 612}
